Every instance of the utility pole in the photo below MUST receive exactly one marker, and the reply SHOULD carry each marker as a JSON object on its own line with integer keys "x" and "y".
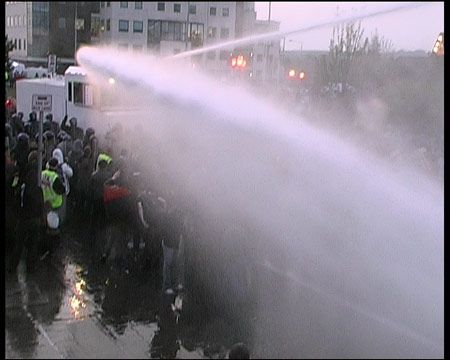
{"x": 76, "y": 33}
{"x": 187, "y": 27}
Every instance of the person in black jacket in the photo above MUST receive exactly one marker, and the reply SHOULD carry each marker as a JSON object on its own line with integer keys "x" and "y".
{"x": 31, "y": 218}
{"x": 73, "y": 130}
{"x": 171, "y": 227}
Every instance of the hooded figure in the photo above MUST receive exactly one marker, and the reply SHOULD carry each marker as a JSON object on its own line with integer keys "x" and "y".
{"x": 54, "y": 126}
{"x": 73, "y": 130}
{"x": 49, "y": 144}
{"x": 76, "y": 153}
{"x": 64, "y": 170}
{"x": 20, "y": 152}
{"x": 65, "y": 142}
{"x": 17, "y": 124}
{"x": 33, "y": 124}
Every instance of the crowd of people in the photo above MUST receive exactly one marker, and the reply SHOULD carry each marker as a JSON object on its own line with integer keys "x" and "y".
{"x": 87, "y": 183}
{"x": 92, "y": 184}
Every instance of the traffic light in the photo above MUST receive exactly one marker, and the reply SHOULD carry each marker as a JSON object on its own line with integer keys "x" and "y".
{"x": 239, "y": 61}
{"x": 438, "y": 48}
{"x": 293, "y": 74}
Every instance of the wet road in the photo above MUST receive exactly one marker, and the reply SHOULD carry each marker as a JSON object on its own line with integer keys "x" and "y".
{"x": 74, "y": 307}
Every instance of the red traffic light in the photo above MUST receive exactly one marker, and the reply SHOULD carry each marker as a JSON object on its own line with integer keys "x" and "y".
{"x": 239, "y": 62}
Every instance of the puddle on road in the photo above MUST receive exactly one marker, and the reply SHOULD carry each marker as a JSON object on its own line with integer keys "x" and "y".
{"x": 72, "y": 303}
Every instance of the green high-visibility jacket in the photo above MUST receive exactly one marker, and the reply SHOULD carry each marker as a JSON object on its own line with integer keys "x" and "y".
{"x": 105, "y": 157}
{"x": 48, "y": 177}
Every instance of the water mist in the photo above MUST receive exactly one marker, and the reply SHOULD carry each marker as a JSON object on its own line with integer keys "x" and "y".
{"x": 348, "y": 248}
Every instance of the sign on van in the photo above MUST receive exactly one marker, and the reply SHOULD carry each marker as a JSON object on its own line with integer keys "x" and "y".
{"x": 41, "y": 103}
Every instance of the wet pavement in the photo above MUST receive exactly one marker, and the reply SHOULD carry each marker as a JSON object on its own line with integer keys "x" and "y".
{"x": 75, "y": 306}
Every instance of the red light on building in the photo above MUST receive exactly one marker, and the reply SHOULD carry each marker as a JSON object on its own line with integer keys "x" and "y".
{"x": 233, "y": 62}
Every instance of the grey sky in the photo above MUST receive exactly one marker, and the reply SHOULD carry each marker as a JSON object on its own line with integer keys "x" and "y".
{"x": 414, "y": 29}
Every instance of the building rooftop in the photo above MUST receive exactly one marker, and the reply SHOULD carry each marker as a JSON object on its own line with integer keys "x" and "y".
{"x": 56, "y": 81}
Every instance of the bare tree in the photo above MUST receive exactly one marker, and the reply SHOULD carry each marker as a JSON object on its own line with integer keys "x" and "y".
{"x": 379, "y": 45}
{"x": 345, "y": 46}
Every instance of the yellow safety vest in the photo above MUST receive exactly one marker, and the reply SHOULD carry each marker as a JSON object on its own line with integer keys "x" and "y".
{"x": 48, "y": 178}
{"x": 104, "y": 157}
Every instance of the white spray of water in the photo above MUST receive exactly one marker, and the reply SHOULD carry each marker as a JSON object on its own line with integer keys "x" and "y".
{"x": 340, "y": 223}
{"x": 280, "y": 34}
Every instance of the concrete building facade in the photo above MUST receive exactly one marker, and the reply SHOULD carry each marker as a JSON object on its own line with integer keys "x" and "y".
{"x": 167, "y": 28}
{"x": 40, "y": 28}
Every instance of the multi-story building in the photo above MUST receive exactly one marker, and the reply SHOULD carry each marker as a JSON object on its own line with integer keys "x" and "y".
{"x": 40, "y": 28}
{"x": 167, "y": 28}
{"x": 162, "y": 28}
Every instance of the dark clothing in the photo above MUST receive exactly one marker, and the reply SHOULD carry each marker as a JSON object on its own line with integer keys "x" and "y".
{"x": 96, "y": 183}
{"x": 171, "y": 228}
{"x": 29, "y": 236}
{"x": 65, "y": 146}
{"x": 32, "y": 202}
{"x": 58, "y": 186}
{"x": 75, "y": 132}
{"x": 11, "y": 205}
{"x": 33, "y": 128}
{"x": 54, "y": 127}
{"x": 84, "y": 170}
{"x": 17, "y": 126}
{"x": 29, "y": 226}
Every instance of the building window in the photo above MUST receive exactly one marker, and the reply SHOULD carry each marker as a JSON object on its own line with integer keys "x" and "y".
{"x": 225, "y": 12}
{"x": 62, "y": 23}
{"x": 177, "y": 8}
{"x": 224, "y": 33}
{"x": 20, "y": 21}
{"x": 123, "y": 47}
{"x": 161, "y": 6}
{"x": 15, "y": 44}
{"x": 124, "y": 4}
{"x": 211, "y": 55}
{"x": 212, "y": 32}
{"x": 102, "y": 25}
{"x": 137, "y": 48}
{"x": 82, "y": 94}
{"x": 192, "y": 9}
{"x": 224, "y": 55}
{"x": 138, "y": 26}
{"x": 123, "y": 25}
{"x": 195, "y": 34}
{"x": 108, "y": 24}
{"x": 212, "y": 11}
{"x": 20, "y": 44}
{"x": 24, "y": 44}
{"x": 108, "y": 3}
{"x": 138, "y": 5}
{"x": 259, "y": 58}
{"x": 165, "y": 30}
{"x": 7, "y": 21}
{"x": 78, "y": 93}
{"x": 69, "y": 91}
{"x": 102, "y": 4}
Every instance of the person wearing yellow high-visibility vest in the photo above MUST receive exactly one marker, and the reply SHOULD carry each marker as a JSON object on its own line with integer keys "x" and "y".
{"x": 105, "y": 157}
{"x": 52, "y": 186}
